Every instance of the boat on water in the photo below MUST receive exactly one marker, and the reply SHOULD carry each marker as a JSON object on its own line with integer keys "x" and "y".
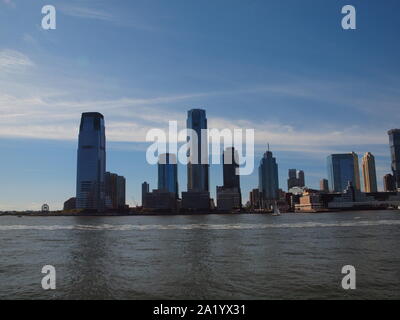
{"x": 277, "y": 212}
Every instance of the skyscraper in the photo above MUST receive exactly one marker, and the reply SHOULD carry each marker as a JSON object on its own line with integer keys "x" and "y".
{"x": 296, "y": 178}
{"x": 115, "y": 193}
{"x": 268, "y": 177}
{"x": 198, "y": 168}
{"x": 168, "y": 173}
{"x": 229, "y": 196}
{"x": 91, "y": 165}
{"x": 343, "y": 168}
{"x": 323, "y": 185}
{"x": 230, "y": 159}
{"x": 389, "y": 183}
{"x": 145, "y": 190}
{"x": 394, "y": 140}
{"x": 369, "y": 173}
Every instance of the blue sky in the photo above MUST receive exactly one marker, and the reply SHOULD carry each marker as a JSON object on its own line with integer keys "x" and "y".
{"x": 285, "y": 68}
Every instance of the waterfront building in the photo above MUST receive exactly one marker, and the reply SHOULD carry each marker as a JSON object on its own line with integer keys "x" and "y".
{"x": 115, "y": 189}
{"x": 394, "y": 141}
{"x": 196, "y": 201}
{"x": 160, "y": 200}
{"x": 323, "y": 185}
{"x": 268, "y": 179}
{"x": 198, "y": 167}
{"x": 145, "y": 190}
{"x": 168, "y": 173}
{"x": 229, "y": 196}
{"x": 342, "y": 169}
{"x": 296, "y": 178}
{"x": 255, "y": 199}
{"x": 91, "y": 166}
{"x": 369, "y": 173}
{"x": 389, "y": 183}
{"x": 70, "y": 204}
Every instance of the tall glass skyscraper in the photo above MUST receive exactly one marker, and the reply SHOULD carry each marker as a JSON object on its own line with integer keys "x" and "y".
{"x": 91, "y": 167}
{"x": 369, "y": 173}
{"x": 268, "y": 177}
{"x": 394, "y": 140}
{"x": 198, "y": 168}
{"x": 343, "y": 168}
{"x": 168, "y": 173}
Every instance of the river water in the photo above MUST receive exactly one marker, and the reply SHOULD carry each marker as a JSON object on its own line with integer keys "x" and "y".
{"x": 294, "y": 256}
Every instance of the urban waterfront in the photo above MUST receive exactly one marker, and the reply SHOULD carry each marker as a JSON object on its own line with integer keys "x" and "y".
{"x": 294, "y": 256}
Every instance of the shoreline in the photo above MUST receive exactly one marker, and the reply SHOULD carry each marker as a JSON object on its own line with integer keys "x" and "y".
{"x": 141, "y": 214}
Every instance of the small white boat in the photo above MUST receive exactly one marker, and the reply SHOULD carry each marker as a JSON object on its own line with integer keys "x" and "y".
{"x": 276, "y": 210}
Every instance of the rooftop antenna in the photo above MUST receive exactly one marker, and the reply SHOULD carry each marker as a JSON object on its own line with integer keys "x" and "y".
{"x": 268, "y": 146}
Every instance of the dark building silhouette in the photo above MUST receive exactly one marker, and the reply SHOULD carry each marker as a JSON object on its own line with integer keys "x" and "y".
{"x": 268, "y": 177}
{"x": 91, "y": 162}
{"x": 296, "y": 178}
{"x": 394, "y": 141}
{"x": 255, "y": 199}
{"x": 115, "y": 189}
{"x": 145, "y": 190}
{"x": 70, "y": 204}
{"x": 389, "y": 184}
{"x": 229, "y": 196}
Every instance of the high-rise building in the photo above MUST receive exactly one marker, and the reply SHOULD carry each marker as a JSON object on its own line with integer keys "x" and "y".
{"x": 145, "y": 190}
{"x": 394, "y": 140}
{"x": 301, "y": 178}
{"x": 115, "y": 186}
{"x": 342, "y": 169}
{"x": 296, "y": 178}
{"x": 389, "y": 183}
{"x": 229, "y": 196}
{"x": 198, "y": 167}
{"x": 369, "y": 173}
{"x": 230, "y": 160}
{"x": 323, "y": 185}
{"x": 268, "y": 177}
{"x": 91, "y": 165}
{"x": 255, "y": 199}
{"x": 168, "y": 173}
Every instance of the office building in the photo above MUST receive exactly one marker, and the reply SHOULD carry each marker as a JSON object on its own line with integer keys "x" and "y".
{"x": 229, "y": 196}
{"x": 91, "y": 164}
{"x": 198, "y": 167}
{"x": 255, "y": 199}
{"x": 70, "y": 204}
{"x": 323, "y": 185}
{"x": 145, "y": 190}
{"x": 296, "y": 178}
{"x": 160, "y": 200}
{"x": 342, "y": 169}
{"x": 369, "y": 173}
{"x": 168, "y": 173}
{"x": 389, "y": 183}
{"x": 394, "y": 141}
{"x": 268, "y": 177}
{"x": 115, "y": 189}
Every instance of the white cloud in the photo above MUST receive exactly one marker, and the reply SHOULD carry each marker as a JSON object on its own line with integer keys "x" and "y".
{"x": 14, "y": 61}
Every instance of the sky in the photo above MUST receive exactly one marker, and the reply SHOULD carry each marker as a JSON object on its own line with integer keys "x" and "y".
{"x": 284, "y": 68}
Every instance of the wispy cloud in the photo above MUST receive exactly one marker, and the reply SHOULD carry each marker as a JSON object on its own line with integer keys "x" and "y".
{"x": 85, "y": 12}
{"x": 13, "y": 61}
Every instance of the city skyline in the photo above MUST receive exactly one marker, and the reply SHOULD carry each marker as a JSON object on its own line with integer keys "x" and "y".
{"x": 309, "y": 91}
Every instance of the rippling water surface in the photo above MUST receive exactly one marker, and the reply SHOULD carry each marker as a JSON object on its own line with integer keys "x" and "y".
{"x": 202, "y": 257}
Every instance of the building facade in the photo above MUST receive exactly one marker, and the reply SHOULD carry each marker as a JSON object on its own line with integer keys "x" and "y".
{"x": 145, "y": 190}
{"x": 296, "y": 178}
{"x": 342, "y": 169}
{"x": 394, "y": 141}
{"x": 324, "y": 185}
{"x": 115, "y": 189}
{"x": 389, "y": 183}
{"x": 168, "y": 173}
{"x": 91, "y": 166}
{"x": 198, "y": 167}
{"x": 268, "y": 177}
{"x": 369, "y": 173}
